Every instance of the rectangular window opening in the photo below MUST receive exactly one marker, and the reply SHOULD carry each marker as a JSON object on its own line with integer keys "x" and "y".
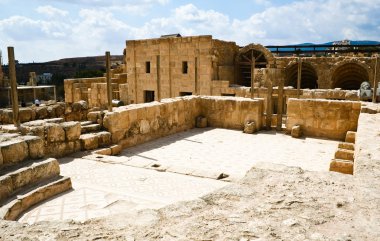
{"x": 185, "y": 93}
{"x": 184, "y": 67}
{"x": 225, "y": 94}
{"x": 147, "y": 67}
{"x": 148, "y": 96}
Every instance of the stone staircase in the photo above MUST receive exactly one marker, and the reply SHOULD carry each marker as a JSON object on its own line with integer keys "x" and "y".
{"x": 343, "y": 161}
{"x": 25, "y": 182}
{"x": 93, "y": 138}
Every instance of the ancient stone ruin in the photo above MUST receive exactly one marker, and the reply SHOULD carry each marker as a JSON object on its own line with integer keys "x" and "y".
{"x": 195, "y": 138}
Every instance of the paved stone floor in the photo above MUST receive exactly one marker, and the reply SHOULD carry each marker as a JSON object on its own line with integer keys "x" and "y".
{"x": 189, "y": 164}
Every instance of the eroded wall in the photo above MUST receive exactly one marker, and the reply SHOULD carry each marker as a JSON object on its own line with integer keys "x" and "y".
{"x": 323, "y": 118}
{"x": 142, "y": 122}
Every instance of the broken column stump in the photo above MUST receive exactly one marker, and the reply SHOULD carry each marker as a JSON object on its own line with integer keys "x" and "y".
{"x": 249, "y": 127}
{"x": 296, "y": 131}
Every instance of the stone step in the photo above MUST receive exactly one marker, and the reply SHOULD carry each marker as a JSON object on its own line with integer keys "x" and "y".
{"x": 36, "y": 194}
{"x": 90, "y": 128}
{"x": 342, "y": 166}
{"x": 350, "y": 136}
{"x": 347, "y": 146}
{"x": 86, "y": 123}
{"x": 90, "y": 141}
{"x": 344, "y": 154}
{"x": 14, "y": 179}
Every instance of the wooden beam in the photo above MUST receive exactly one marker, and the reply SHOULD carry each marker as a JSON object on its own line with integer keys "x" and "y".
{"x": 14, "y": 95}
{"x": 108, "y": 77}
{"x": 252, "y": 76}
{"x": 375, "y": 82}
{"x": 299, "y": 76}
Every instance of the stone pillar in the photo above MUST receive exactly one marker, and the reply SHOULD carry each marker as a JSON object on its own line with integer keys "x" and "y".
{"x": 109, "y": 84}
{"x": 14, "y": 95}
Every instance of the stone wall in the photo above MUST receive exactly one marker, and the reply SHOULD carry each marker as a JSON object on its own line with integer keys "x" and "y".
{"x": 139, "y": 123}
{"x": 323, "y": 118}
{"x": 206, "y": 60}
{"x": 70, "y": 112}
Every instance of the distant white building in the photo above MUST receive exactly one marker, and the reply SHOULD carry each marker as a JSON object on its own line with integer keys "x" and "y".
{"x": 44, "y": 78}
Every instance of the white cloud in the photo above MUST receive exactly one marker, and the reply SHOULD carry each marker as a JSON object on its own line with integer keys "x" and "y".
{"x": 51, "y": 11}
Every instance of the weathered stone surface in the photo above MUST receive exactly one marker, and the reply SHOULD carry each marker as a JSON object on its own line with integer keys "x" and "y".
{"x": 55, "y": 133}
{"x": 344, "y": 154}
{"x": 35, "y": 146}
{"x": 346, "y": 145}
{"x": 296, "y": 131}
{"x": 41, "y": 112}
{"x": 350, "y": 136}
{"x": 89, "y": 141}
{"x": 342, "y": 166}
{"x": 323, "y": 118}
{"x": 116, "y": 149}
{"x": 104, "y": 138}
{"x": 14, "y": 151}
{"x": 72, "y": 130}
{"x": 250, "y": 127}
{"x": 26, "y": 114}
{"x": 201, "y": 122}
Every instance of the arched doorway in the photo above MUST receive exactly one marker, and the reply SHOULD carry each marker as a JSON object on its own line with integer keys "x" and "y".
{"x": 349, "y": 76}
{"x": 309, "y": 77}
{"x": 261, "y": 56}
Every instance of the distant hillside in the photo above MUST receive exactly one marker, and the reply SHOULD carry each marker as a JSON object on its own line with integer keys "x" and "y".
{"x": 67, "y": 67}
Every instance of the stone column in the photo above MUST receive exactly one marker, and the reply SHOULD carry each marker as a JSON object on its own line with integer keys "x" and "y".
{"x": 14, "y": 95}
{"x": 109, "y": 84}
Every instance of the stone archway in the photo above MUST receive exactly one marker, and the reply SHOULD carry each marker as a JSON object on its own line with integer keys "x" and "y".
{"x": 349, "y": 75}
{"x": 309, "y": 76}
{"x": 262, "y": 57}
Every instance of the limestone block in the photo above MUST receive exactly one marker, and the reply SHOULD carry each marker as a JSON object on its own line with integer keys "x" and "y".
{"x": 94, "y": 116}
{"x": 41, "y": 112}
{"x": 350, "y": 136}
{"x": 89, "y": 141}
{"x": 7, "y": 117}
{"x": 60, "y": 109}
{"x": 26, "y": 114}
{"x": 116, "y": 149}
{"x": 296, "y": 131}
{"x": 6, "y": 187}
{"x": 72, "y": 130}
{"x": 249, "y": 127}
{"x": 344, "y": 154}
{"x": 342, "y": 166}
{"x": 35, "y": 146}
{"x": 346, "y": 145}
{"x": 14, "y": 151}
{"x": 103, "y": 151}
{"x": 104, "y": 138}
{"x": 201, "y": 122}
{"x": 144, "y": 127}
{"x": 54, "y": 132}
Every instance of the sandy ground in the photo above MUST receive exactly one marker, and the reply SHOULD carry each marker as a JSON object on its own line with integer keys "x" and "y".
{"x": 189, "y": 164}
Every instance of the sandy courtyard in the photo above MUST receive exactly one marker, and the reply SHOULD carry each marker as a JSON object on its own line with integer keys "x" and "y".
{"x": 175, "y": 168}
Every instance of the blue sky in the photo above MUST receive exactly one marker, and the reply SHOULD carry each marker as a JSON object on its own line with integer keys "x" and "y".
{"x": 43, "y": 30}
